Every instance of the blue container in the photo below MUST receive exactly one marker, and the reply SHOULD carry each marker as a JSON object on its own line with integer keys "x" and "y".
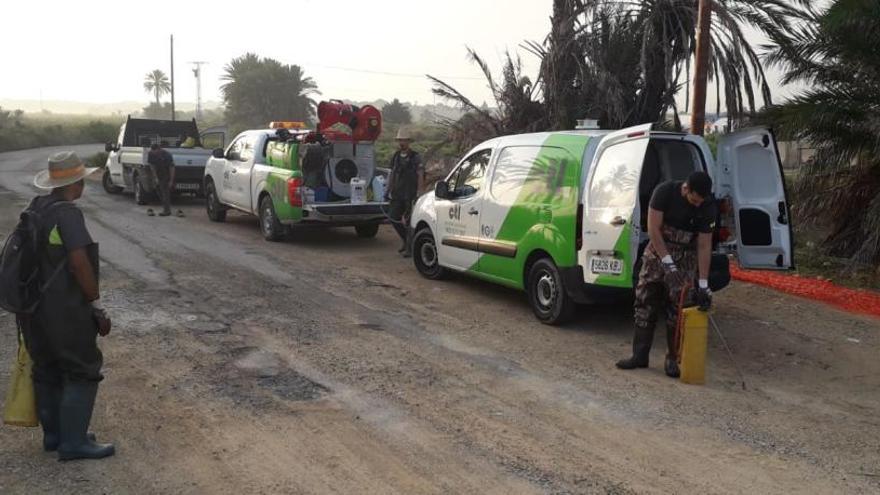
{"x": 322, "y": 194}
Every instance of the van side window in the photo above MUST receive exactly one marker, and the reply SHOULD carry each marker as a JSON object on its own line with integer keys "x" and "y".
{"x": 533, "y": 174}
{"x": 467, "y": 179}
{"x": 616, "y": 179}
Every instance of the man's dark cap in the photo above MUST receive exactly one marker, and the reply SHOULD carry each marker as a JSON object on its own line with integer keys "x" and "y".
{"x": 700, "y": 183}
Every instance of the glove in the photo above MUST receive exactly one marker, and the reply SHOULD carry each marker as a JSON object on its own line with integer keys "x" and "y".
{"x": 101, "y": 319}
{"x": 703, "y": 296}
{"x": 674, "y": 277}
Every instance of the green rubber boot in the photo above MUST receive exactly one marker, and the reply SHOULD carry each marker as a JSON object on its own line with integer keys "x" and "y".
{"x": 48, "y": 397}
{"x": 77, "y": 403}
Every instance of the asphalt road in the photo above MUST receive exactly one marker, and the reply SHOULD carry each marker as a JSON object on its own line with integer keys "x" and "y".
{"x": 326, "y": 364}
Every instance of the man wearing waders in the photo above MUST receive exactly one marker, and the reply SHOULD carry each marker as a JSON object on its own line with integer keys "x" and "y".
{"x": 403, "y": 187}
{"x": 681, "y": 221}
{"x": 61, "y": 335}
{"x": 162, "y": 163}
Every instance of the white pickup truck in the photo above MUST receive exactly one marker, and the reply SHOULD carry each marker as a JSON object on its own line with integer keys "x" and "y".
{"x": 287, "y": 179}
{"x": 127, "y": 169}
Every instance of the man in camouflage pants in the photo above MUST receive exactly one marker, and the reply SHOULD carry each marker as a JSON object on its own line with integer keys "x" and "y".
{"x": 681, "y": 221}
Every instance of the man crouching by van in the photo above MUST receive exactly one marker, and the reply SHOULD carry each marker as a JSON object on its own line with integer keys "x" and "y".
{"x": 681, "y": 221}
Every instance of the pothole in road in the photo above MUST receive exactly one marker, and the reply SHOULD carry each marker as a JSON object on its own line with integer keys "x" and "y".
{"x": 252, "y": 372}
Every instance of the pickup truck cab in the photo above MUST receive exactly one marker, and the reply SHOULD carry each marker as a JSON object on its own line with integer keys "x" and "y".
{"x": 278, "y": 176}
{"x": 127, "y": 168}
{"x": 563, "y": 215}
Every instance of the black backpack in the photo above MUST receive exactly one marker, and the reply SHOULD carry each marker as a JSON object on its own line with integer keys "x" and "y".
{"x": 20, "y": 287}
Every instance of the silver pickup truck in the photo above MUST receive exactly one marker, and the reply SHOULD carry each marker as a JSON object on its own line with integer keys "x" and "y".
{"x": 127, "y": 168}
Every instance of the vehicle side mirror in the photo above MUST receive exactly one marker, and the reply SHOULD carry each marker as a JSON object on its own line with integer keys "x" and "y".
{"x": 218, "y": 153}
{"x": 110, "y": 147}
{"x": 441, "y": 189}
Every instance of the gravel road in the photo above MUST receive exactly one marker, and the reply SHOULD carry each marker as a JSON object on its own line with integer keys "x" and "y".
{"x": 326, "y": 364}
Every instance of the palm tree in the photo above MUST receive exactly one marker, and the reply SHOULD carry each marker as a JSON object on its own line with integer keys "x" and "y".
{"x": 518, "y": 108}
{"x": 590, "y": 37}
{"x": 156, "y": 82}
{"x": 835, "y": 55}
{"x": 259, "y": 90}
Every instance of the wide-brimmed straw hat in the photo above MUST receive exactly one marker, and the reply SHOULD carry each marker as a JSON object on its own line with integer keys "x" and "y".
{"x": 403, "y": 135}
{"x": 64, "y": 169}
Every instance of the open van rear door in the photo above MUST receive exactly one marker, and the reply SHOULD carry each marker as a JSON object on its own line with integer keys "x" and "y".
{"x": 749, "y": 172}
{"x": 611, "y": 213}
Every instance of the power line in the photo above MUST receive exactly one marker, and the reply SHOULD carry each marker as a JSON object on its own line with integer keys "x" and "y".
{"x": 384, "y": 73}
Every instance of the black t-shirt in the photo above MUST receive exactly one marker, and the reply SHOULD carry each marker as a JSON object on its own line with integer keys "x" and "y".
{"x": 68, "y": 227}
{"x": 162, "y": 161}
{"x": 405, "y": 175}
{"x": 679, "y": 213}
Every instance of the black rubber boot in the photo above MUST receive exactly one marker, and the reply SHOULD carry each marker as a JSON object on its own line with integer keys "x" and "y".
{"x": 671, "y": 367}
{"x": 642, "y": 340}
{"x": 77, "y": 403}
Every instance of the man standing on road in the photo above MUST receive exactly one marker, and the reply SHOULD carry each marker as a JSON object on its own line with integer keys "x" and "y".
{"x": 162, "y": 163}
{"x": 61, "y": 335}
{"x": 404, "y": 183}
{"x": 681, "y": 221}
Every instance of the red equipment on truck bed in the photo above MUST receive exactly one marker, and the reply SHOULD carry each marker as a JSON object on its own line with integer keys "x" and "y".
{"x": 340, "y": 121}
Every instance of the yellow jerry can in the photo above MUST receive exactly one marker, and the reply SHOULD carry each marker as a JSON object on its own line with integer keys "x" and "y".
{"x": 694, "y": 343}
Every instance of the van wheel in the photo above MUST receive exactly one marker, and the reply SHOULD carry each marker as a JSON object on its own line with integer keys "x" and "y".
{"x": 550, "y": 303}
{"x": 140, "y": 196}
{"x": 216, "y": 211}
{"x": 269, "y": 225}
{"x": 108, "y": 184}
{"x": 367, "y": 230}
{"x": 425, "y": 255}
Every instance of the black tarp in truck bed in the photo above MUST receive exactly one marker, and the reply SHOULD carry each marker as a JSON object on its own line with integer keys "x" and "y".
{"x": 135, "y": 128}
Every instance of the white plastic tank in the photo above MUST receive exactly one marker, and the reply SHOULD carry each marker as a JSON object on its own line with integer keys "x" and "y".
{"x": 358, "y": 191}
{"x": 378, "y": 188}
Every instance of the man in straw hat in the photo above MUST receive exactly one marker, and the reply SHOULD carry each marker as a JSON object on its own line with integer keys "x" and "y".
{"x": 61, "y": 335}
{"x": 404, "y": 183}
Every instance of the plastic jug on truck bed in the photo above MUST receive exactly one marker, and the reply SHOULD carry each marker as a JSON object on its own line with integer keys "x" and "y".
{"x": 378, "y": 188}
{"x": 358, "y": 191}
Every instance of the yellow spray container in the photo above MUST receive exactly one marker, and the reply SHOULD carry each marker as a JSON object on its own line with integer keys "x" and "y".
{"x": 694, "y": 342}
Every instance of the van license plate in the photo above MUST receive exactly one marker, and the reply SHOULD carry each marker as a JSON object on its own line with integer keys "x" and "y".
{"x": 187, "y": 187}
{"x": 610, "y": 266}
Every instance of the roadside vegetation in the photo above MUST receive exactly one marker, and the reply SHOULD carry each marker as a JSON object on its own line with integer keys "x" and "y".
{"x": 20, "y": 130}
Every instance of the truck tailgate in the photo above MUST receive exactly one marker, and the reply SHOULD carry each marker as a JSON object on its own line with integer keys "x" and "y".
{"x": 342, "y": 212}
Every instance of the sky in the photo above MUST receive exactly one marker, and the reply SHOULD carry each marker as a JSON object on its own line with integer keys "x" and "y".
{"x": 97, "y": 51}
{"x": 100, "y": 51}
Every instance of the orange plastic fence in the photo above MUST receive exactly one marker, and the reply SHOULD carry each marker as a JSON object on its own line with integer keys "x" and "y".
{"x": 853, "y": 300}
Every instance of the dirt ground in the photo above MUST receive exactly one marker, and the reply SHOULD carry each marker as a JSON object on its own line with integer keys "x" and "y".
{"x": 326, "y": 364}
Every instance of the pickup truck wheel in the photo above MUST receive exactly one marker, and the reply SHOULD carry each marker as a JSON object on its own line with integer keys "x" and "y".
{"x": 269, "y": 225}
{"x": 140, "y": 196}
{"x": 367, "y": 230}
{"x": 425, "y": 255}
{"x": 547, "y": 296}
{"x": 216, "y": 211}
{"x": 108, "y": 184}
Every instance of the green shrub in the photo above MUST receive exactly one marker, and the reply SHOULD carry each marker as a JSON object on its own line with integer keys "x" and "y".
{"x": 35, "y": 131}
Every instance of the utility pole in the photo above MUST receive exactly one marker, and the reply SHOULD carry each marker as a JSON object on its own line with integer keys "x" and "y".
{"x": 172, "y": 77}
{"x": 197, "y": 71}
{"x": 701, "y": 67}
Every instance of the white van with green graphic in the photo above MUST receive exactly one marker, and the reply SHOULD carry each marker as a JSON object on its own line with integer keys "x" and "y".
{"x": 563, "y": 215}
